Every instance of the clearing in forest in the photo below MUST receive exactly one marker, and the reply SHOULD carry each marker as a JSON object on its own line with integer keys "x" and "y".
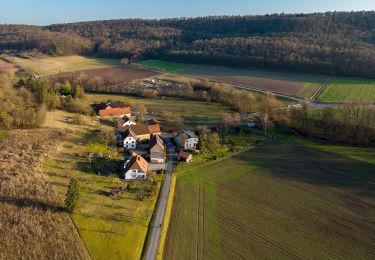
{"x": 53, "y": 65}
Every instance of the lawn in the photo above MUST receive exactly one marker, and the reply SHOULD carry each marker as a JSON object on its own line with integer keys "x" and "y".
{"x": 193, "y": 112}
{"x": 53, "y": 65}
{"x": 110, "y": 228}
{"x": 290, "y": 198}
{"x": 342, "y": 89}
{"x": 294, "y": 84}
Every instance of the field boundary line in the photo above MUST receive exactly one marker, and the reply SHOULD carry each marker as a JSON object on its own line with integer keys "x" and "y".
{"x": 167, "y": 218}
{"x": 320, "y": 89}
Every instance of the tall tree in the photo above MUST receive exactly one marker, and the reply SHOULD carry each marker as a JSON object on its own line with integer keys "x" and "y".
{"x": 72, "y": 196}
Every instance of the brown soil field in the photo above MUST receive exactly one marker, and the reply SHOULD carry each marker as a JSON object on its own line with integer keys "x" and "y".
{"x": 271, "y": 85}
{"x": 33, "y": 222}
{"x": 117, "y": 75}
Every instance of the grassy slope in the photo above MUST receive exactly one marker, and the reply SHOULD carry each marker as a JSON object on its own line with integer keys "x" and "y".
{"x": 309, "y": 83}
{"x": 190, "y": 110}
{"x": 110, "y": 229}
{"x": 286, "y": 199}
{"x": 343, "y": 89}
{"x": 53, "y": 65}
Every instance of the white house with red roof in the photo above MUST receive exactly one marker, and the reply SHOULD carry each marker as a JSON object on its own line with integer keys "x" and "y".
{"x": 135, "y": 168}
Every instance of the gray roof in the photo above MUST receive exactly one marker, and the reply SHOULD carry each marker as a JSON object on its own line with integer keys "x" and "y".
{"x": 189, "y": 134}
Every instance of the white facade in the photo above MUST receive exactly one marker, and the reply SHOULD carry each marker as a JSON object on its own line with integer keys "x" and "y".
{"x": 130, "y": 142}
{"x": 129, "y": 123}
{"x": 191, "y": 143}
{"x": 157, "y": 160}
{"x": 135, "y": 174}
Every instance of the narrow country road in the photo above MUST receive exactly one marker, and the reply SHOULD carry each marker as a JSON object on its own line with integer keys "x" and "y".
{"x": 153, "y": 243}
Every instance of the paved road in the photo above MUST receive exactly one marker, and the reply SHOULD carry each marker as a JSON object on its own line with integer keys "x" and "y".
{"x": 153, "y": 243}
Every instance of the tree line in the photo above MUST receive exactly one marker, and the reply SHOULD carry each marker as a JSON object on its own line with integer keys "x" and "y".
{"x": 330, "y": 43}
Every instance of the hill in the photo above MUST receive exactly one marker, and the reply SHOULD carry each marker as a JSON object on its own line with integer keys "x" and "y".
{"x": 329, "y": 43}
{"x": 34, "y": 224}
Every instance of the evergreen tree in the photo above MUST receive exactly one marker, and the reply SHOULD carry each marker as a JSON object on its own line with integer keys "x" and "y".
{"x": 72, "y": 196}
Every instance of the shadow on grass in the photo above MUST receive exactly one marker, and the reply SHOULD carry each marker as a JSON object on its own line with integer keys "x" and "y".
{"x": 311, "y": 165}
{"x": 26, "y": 202}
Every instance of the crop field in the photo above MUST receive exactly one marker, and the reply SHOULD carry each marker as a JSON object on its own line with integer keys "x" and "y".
{"x": 341, "y": 89}
{"x": 117, "y": 74}
{"x": 193, "y": 112}
{"x": 290, "y": 198}
{"x": 53, "y": 65}
{"x": 110, "y": 228}
{"x": 293, "y": 84}
{"x": 164, "y": 65}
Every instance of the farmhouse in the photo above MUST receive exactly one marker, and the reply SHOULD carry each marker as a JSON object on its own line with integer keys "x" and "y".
{"x": 157, "y": 149}
{"x": 135, "y": 168}
{"x": 142, "y": 132}
{"x": 120, "y": 112}
{"x": 186, "y": 140}
{"x": 126, "y": 121}
{"x": 130, "y": 140}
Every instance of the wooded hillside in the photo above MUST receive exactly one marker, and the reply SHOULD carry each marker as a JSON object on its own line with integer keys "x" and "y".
{"x": 332, "y": 43}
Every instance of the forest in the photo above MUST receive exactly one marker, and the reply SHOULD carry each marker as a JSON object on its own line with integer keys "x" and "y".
{"x": 335, "y": 43}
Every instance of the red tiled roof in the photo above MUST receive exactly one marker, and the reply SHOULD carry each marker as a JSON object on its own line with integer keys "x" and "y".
{"x": 140, "y": 129}
{"x": 136, "y": 162}
{"x": 183, "y": 155}
{"x": 115, "y": 111}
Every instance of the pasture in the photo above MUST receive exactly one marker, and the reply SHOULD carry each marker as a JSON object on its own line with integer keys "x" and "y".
{"x": 343, "y": 89}
{"x": 111, "y": 228}
{"x": 290, "y": 198}
{"x": 293, "y": 84}
{"x": 53, "y": 65}
{"x": 193, "y": 112}
{"x": 164, "y": 65}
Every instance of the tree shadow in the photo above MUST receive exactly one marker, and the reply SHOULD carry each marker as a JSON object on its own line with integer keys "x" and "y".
{"x": 26, "y": 202}
{"x": 311, "y": 165}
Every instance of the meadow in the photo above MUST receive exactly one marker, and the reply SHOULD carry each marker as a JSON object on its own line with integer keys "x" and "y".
{"x": 53, "y": 65}
{"x": 111, "y": 228}
{"x": 193, "y": 112}
{"x": 293, "y": 84}
{"x": 289, "y": 198}
{"x": 32, "y": 218}
{"x": 343, "y": 89}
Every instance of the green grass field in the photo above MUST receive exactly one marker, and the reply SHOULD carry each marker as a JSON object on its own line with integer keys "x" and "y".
{"x": 164, "y": 65}
{"x": 341, "y": 89}
{"x": 110, "y": 228}
{"x": 193, "y": 112}
{"x": 53, "y": 65}
{"x": 294, "y": 84}
{"x": 287, "y": 199}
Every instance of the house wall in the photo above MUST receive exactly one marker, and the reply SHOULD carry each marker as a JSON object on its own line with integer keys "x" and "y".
{"x": 135, "y": 174}
{"x": 130, "y": 143}
{"x": 129, "y": 123}
{"x": 191, "y": 143}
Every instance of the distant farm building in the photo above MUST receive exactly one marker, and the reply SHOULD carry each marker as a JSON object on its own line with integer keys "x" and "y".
{"x": 119, "y": 112}
{"x": 186, "y": 140}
